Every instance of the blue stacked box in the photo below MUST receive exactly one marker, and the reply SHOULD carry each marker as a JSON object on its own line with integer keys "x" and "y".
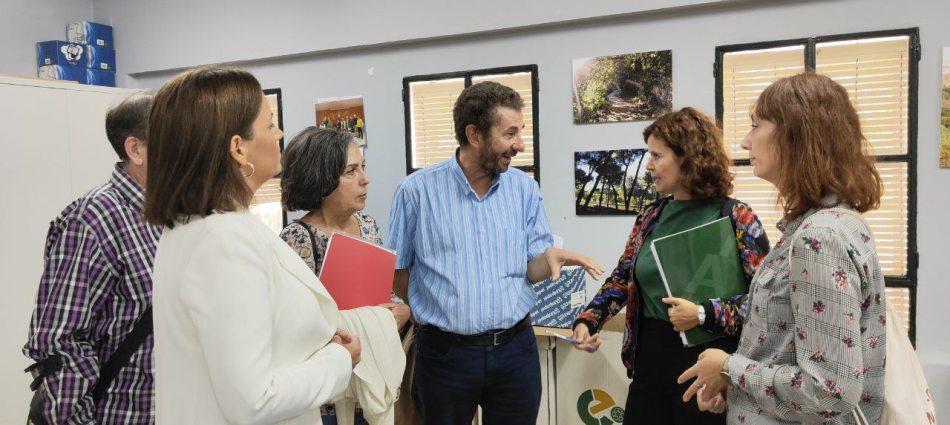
{"x": 61, "y": 53}
{"x": 74, "y": 54}
{"x": 560, "y": 302}
{"x": 100, "y": 78}
{"x": 88, "y": 57}
{"x": 90, "y": 33}
{"x": 61, "y": 72}
{"x": 101, "y": 58}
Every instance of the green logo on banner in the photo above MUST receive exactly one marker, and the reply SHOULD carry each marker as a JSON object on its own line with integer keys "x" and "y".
{"x": 594, "y": 402}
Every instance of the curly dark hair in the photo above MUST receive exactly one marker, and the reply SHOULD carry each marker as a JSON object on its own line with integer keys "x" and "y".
{"x": 476, "y": 105}
{"x": 697, "y": 141}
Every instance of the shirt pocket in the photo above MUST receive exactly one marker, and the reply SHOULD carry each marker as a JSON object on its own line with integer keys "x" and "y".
{"x": 764, "y": 277}
{"x": 759, "y": 292}
{"x": 773, "y": 302}
{"x": 510, "y": 252}
{"x": 445, "y": 240}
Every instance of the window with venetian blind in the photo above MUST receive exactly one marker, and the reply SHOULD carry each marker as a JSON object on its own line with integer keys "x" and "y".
{"x": 430, "y": 130}
{"x": 879, "y": 70}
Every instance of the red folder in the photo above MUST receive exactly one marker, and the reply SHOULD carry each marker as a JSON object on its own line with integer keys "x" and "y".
{"x": 356, "y": 272}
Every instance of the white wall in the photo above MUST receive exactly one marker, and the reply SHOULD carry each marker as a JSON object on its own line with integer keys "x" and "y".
{"x": 23, "y": 23}
{"x": 170, "y": 34}
{"x": 692, "y": 35}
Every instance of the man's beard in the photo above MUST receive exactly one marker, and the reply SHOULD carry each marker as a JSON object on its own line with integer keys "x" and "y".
{"x": 489, "y": 161}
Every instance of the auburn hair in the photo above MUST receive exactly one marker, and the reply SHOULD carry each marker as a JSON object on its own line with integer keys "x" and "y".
{"x": 697, "y": 142}
{"x": 190, "y": 169}
{"x": 820, "y": 148}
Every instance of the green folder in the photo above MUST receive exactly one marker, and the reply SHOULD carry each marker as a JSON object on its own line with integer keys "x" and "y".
{"x": 699, "y": 264}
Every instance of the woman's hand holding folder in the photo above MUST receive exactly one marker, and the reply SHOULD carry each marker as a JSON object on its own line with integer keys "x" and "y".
{"x": 684, "y": 314}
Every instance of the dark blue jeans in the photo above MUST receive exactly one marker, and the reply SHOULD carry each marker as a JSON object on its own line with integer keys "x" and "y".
{"x": 357, "y": 420}
{"x": 451, "y": 380}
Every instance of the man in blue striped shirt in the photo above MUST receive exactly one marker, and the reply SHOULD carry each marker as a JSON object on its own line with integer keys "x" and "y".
{"x": 475, "y": 236}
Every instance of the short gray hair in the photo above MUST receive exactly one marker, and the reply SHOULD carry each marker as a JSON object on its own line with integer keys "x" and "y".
{"x": 312, "y": 164}
{"x": 128, "y": 119}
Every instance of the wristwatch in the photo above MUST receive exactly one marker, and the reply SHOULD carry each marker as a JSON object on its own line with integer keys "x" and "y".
{"x": 701, "y": 314}
{"x": 725, "y": 369}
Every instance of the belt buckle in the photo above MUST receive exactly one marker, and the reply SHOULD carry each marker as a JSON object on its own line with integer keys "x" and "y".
{"x": 495, "y": 339}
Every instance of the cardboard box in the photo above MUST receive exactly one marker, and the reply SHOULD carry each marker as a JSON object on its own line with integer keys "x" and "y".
{"x": 100, "y": 78}
{"x": 101, "y": 58}
{"x": 560, "y": 302}
{"x": 547, "y": 414}
{"x": 61, "y": 53}
{"x": 592, "y": 387}
{"x": 57, "y": 52}
{"x": 91, "y": 33}
{"x": 60, "y": 72}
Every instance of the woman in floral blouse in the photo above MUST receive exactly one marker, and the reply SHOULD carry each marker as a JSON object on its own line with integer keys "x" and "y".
{"x": 813, "y": 345}
{"x": 688, "y": 162}
{"x": 323, "y": 174}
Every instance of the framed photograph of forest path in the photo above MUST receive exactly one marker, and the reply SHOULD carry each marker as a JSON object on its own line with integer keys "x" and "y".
{"x": 631, "y": 87}
{"x": 613, "y": 182}
{"x": 945, "y": 112}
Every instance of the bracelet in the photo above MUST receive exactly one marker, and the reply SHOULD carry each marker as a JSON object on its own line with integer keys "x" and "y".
{"x": 725, "y": 370}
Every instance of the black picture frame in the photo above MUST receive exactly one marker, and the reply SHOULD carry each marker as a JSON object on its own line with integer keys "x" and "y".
{"x": 468, "y": 75}
{"x": 280, "y": 124}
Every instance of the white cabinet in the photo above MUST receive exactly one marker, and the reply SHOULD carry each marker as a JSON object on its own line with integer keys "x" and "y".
{"x": 53, "y": 149}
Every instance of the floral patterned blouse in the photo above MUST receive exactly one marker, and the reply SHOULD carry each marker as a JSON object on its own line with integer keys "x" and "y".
{"x": 813, "y": 343}
{"x": 297, "y": 235}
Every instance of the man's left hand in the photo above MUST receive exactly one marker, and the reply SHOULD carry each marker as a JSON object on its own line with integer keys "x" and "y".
{"x": 557, "y": 258}
{"x": 400, "y": 313}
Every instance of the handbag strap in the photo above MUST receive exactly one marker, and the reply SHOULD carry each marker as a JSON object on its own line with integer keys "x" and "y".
{"x": 859, "y": 417}
{"x": 313, "y": 245}
{"x": 727, "y": 208}
{"x": 120, "y": 358}
{"x": 110, "y": 370}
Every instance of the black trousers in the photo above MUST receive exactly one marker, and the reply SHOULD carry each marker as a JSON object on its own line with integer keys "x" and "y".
{"x": 451, "y": 380}
{"x": 655, "y": 397}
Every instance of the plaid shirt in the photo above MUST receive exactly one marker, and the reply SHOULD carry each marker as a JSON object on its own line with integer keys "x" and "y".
{"x": 95, "y": 285}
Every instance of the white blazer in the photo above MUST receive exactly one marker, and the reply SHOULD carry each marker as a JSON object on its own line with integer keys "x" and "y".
{"x": 241, "y": 328}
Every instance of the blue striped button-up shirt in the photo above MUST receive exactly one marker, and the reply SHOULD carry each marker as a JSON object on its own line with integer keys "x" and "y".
{"x": 469, "y": 256}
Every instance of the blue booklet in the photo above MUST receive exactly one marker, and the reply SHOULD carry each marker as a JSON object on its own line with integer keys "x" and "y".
{"x": 560, "y": 302}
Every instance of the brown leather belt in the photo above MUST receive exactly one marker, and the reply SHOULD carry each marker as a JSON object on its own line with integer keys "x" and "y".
{"x": 491, "y": 339}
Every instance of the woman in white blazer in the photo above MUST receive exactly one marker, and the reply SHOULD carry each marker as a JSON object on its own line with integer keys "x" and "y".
{"x": 244, "y": 331}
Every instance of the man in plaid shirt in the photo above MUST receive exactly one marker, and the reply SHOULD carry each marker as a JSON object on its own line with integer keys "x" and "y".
{"x": 96, "y": 284}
